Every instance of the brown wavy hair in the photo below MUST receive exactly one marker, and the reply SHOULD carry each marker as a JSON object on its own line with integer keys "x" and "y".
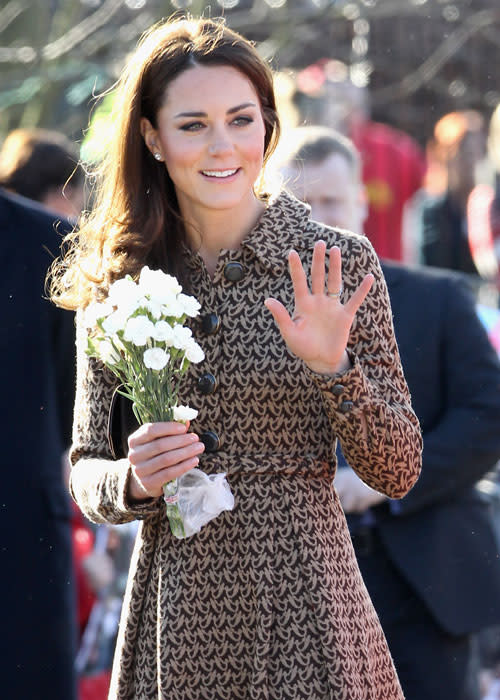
{"x": 135, "y": 219}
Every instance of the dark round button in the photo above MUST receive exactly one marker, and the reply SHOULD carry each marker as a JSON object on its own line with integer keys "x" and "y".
{"x": 337, "y": 389}
{"x": 346, "y": 406}
{"x": 210, "y": 440}
{"x": 207, "y": 383}
{"x": 210, "y": 323}
{"x": 233, "y": 271}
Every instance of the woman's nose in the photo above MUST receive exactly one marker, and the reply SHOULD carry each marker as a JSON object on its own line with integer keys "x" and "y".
{"x": 220, "y": 144}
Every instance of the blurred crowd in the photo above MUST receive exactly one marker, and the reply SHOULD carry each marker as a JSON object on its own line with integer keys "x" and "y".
{"x": 433, "y": 205}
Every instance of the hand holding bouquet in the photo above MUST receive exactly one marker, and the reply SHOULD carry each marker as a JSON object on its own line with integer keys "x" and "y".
{"x": 142, "y": 339}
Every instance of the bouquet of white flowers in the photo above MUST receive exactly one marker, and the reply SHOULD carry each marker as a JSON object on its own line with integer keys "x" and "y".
{"x": 138, "y": 332}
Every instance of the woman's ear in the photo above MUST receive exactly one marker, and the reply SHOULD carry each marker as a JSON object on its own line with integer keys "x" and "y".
{"x": 149, "y": 136}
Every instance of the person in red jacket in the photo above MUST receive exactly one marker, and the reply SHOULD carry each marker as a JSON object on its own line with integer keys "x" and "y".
{"x": 393, "y": 163}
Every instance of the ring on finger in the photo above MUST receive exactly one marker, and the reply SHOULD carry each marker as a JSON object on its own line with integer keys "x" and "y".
{"x": 335, "y": 295}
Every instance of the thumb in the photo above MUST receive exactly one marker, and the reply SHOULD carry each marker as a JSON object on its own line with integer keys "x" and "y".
{"x": 280, "y": 315}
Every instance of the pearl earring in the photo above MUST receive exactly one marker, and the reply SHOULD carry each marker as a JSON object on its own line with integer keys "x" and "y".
{"x": 157, "y": 156}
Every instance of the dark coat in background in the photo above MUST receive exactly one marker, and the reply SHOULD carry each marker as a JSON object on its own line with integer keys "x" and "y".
{"x": 442, "y": 539}
{"x": 37, "y": 385}
{"x": 431, "y": 561}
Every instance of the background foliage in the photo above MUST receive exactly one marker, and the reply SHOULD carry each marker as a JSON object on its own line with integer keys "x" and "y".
{"x": 419, "y": 58}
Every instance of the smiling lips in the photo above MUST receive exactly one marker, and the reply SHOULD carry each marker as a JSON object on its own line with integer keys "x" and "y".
{"x": 220, "y": 173}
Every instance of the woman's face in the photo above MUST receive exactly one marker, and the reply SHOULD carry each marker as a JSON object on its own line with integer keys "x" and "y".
{"x": 210, "y": 133}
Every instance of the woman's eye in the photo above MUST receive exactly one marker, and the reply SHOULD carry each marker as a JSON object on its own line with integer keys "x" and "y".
{"x": 192, "y": 126}
{"x": 242, "y": 121}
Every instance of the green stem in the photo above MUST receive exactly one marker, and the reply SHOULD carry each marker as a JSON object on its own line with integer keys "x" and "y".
{"x": 170, "y": 490}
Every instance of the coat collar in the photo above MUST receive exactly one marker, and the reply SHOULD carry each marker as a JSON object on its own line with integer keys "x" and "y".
{"x": 279, "y": 229}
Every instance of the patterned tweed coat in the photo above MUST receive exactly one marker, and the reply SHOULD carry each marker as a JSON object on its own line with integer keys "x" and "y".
{"x": 266, "y": 602}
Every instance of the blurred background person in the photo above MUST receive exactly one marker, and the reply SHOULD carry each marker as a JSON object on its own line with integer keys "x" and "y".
{"x": 102, "y": 558}
{"x": 430, "y": 561}
{"x": 483, "y": 211}
{"x": 42, "y": 164}
{"x": 392, "y": 162}
{"x": 483, "y": 216}
{"x": 37, "y": 646}
{"x": 457, "y": 149}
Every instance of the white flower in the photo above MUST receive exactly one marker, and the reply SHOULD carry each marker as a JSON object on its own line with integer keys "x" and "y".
{"x": 184, "y": 413}
{"x": 158, "y": 285}
{"x": 194, "y": 353}
{"x": 163, "y": 332}
{"x": 154, "y": 307}
{"x": 107, "y": 353}
{"x": 115, "y": 322}
{"x": 124, "y": 293}
{"x": 156, "y": 358}
{"x": 138, "y": 330}
{"x": 182, "y": 337}
{"x": 172, "y": 307}
{"x": 189, "y": 305}
{"x": 95, "y": 312}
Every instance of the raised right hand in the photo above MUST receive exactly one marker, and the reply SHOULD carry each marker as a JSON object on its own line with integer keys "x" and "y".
{"x": 160, "y": 452}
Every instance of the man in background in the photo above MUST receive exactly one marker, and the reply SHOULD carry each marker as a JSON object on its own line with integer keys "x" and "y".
{"x": 37, "y": 382}
{"x": 430, "y": 561}
{"x": 42, "y": 164}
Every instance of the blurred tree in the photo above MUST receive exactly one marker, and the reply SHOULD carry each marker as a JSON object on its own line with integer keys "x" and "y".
{"x": 420, "y": 58}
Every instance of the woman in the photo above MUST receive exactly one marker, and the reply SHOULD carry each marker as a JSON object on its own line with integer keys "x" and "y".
{"x": 266, "y": 601}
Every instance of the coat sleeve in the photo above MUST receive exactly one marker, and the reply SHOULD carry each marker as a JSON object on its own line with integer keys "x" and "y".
{"x": 98, "y": 483}
{"x": 369, "y": 405}
{"x": 464, "y": 442}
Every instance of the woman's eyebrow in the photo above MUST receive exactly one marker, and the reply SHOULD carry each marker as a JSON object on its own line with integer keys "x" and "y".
{"x": 232, "y": 110}
{"x": 242, "y": 106}
{"x": 190, "y": 114}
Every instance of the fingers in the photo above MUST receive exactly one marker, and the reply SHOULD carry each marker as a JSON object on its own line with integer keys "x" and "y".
{"x": 335, "y": 271}
{"x": 299, "y": 278}
{"x": 151, "y": 485}
{"x": 160, "y": 452}
{"x": 318, "y": 268}
{"x": 167, "y": 457}
{"x": 297, "y": 275}
{"x": 151, "y": 431}
{"x": 359, "y": 295}
{"x": 303, "y": 298}
{"x": 149, "y": 450}
{"x": 164, "y": 453}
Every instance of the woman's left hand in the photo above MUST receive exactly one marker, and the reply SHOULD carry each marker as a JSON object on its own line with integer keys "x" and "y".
{"x": 319, "y": 329}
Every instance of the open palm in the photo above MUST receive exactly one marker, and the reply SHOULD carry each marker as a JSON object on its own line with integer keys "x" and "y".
{"x": 319, "y": 329}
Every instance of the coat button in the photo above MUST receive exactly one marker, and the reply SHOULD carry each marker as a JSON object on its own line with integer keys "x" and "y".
{"x": 210, "y": 323}
{"x": 233, "y": 271}
{"x": 337, "y": 389}
{"x": 210, "y": 440}
{"x": 207, "y": 383}
{"x": 346, "y": 406}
